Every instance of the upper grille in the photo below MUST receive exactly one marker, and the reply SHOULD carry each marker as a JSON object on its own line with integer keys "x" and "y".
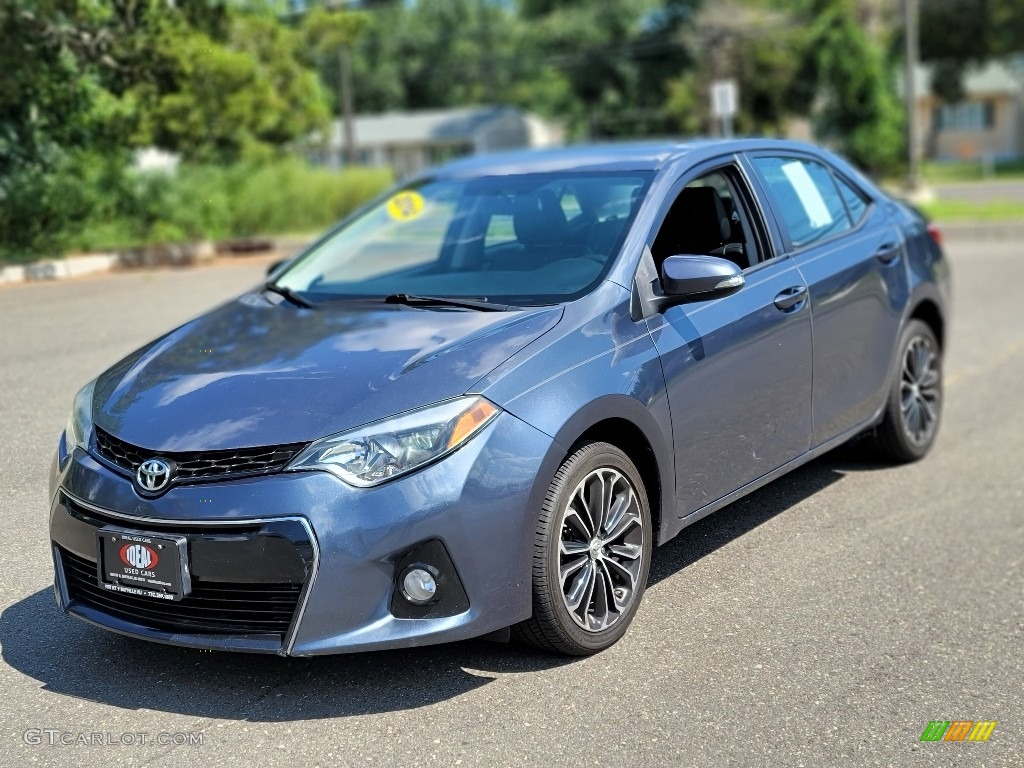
{"x": 211, "y": 608}
{"x": 200, "y": 465}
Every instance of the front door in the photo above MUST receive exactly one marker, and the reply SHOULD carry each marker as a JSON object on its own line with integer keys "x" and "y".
{"x": 738, "y": 368}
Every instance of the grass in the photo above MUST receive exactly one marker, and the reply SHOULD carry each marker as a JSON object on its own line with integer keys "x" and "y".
{"x": 966, "y": 171}
{"x": 964, "y": 210}
{"x": 959, "y": 171}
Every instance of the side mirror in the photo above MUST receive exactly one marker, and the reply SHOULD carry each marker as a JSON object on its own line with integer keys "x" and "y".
{"x": 699, "y": 277}
{"x": 276, "y": 266}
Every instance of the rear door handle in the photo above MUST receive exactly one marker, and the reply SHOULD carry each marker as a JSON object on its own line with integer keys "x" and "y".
{"x": 888, "y": 253}
{"x": 790, "y": 297}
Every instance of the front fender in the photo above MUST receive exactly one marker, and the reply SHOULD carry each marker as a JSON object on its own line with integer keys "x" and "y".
{"x": 588, "y": 370}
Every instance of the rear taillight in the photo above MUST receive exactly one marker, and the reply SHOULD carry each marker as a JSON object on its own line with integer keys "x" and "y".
{"x": 935, "y": 233}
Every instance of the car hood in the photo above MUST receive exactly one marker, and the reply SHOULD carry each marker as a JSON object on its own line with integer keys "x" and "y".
{"x": 254, "y": 373}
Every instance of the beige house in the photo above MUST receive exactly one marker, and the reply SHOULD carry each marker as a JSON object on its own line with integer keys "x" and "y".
{"x": 989, "y": 122}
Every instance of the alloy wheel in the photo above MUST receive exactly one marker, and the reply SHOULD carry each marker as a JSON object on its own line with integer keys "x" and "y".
{"x": 600, "y": 553}
{"x": 920, "y": 391}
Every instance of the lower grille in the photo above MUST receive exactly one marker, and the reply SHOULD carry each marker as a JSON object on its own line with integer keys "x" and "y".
{"x": 211, "y": 608}
{"x": 199, "y": 465}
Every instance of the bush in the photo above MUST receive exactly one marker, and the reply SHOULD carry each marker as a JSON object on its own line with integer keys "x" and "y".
{"x": 42, "y": 206}
{"x": 290, "y": 197}
{"x": 207, "y": 202}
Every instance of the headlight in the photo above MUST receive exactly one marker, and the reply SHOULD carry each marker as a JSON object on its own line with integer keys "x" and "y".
{"x": 80, "y": 421}
{"x": 377, "y": 452}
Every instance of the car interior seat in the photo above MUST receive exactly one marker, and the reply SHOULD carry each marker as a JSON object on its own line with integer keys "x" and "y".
{"x": 734, "y": 249}
{"x": 697, "y": 223}
{"x": 541, "y": 228}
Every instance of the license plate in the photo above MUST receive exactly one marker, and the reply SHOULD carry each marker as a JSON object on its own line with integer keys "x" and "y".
{"x": 137, "y": 563}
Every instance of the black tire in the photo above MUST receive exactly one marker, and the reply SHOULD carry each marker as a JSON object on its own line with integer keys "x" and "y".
{"x": 907, "y": 436}
{"x": 607, "y": 562}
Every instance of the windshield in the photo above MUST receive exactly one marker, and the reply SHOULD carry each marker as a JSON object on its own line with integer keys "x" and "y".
{"x": 519, "y": 240}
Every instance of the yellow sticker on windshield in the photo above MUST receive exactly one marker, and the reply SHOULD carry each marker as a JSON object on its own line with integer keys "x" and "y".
{"x": 406, "y": 206}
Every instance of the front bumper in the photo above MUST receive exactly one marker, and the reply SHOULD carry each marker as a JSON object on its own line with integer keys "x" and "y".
{"x": 333, "y": 550}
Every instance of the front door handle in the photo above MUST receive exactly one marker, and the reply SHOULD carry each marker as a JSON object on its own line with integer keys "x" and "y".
{"x": 790, "y": 297}
{"x": 888, "y": 253}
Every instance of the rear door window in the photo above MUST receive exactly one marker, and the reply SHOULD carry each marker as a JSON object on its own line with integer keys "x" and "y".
{"x": 805, "y": 197}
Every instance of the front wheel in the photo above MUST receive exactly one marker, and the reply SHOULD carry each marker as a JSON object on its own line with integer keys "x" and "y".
{"x": 914, "y": 407}
{"x": 592, "y": 553}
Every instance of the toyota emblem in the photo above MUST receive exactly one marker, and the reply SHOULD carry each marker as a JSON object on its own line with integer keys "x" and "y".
{"x": 153, "y": 475}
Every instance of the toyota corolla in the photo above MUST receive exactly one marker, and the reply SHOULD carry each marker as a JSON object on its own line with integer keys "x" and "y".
{"x": 476, "y": 406}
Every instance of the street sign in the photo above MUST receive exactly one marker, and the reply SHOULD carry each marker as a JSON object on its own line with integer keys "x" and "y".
{"x": 724, "y": 103}
{"x": 724, "y": 97}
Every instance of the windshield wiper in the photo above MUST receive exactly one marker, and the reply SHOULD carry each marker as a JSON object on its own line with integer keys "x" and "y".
{"x": 289, "y": 294}
{"x": 446, "y": 301}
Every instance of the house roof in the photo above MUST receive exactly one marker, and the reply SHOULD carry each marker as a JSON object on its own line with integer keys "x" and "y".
{"x": 440, "y": 126}
{"x": 994, "y": 77}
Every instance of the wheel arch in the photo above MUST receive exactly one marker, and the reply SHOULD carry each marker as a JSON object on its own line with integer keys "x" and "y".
{"x": 927, "y": 311}
{"x": 627, "y": 424}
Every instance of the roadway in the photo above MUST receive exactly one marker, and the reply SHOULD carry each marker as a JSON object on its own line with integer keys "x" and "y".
{"x": 822, "y": 621}
{"x": 992, "y": 190}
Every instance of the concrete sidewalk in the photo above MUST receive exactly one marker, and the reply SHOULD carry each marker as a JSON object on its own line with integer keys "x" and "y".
{"x": 58, "y": 269}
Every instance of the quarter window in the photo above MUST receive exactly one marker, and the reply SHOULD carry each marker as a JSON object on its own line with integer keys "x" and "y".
{"x": 855, "y": 202}
{"x": 806, "y": 197}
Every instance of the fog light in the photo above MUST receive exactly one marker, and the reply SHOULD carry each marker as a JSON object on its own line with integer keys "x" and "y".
{"x": 419, "y": 584}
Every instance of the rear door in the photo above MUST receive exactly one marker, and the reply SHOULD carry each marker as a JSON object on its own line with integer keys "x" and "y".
{"x": 737, "y": 368}
{"x": 852, "y": 258}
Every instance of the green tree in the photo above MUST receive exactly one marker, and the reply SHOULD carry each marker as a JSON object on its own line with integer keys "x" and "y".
{"x": 58, "y": 58}
{"x": 332, "y": 34}
{"x": 600, "y": 65}
{"x": 956, "y": 34}
{"x": 860, "y": 111}
{"x": 616, "y": 56}
{"x": 86, "y": 81}
{"x": 223, "y": 102}
{"x": 762, "y": 48}
{"x": 431, "y": 55}
{"x": 795, "y": 58}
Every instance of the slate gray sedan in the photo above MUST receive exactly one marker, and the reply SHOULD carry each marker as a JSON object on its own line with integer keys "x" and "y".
{"x": 476, "y": 406}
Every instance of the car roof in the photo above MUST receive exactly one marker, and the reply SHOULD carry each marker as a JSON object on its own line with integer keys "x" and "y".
{"x": 611, "y": 156}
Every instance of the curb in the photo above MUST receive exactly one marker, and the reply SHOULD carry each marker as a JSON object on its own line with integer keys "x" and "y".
{"x": 58, "y": 269}
{"x": 187, "y": 255}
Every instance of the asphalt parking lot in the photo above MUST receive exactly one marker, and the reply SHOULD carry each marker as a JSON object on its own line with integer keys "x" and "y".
{"x": 822, "y": 621}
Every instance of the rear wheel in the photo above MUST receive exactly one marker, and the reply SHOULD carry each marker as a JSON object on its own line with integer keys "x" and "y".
{"x": 592, "y": 553}
{"x": 914, "y": 407}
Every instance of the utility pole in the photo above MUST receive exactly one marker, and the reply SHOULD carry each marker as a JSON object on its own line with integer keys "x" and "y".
{"x": 345, "y": 104}
{"x": 912, "y": 54}
{"x": 485, "y": 63}
{"x": 336, "y": 30}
